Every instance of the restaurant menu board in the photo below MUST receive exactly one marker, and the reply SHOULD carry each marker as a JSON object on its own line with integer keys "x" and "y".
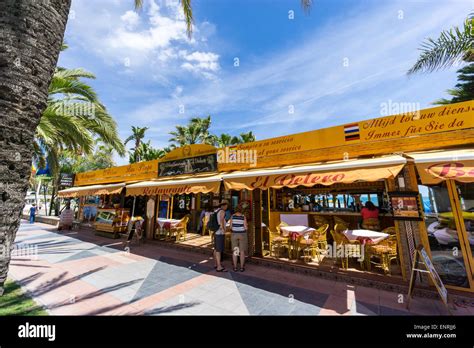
{"x": 421, "y": 257}
{"x": 434, "y": 275}
{"x": 193, "y": 165}
{"x": 405, "y": 205}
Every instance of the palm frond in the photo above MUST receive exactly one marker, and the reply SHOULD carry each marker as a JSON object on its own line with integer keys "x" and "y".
{"x": 138, "y": 4}
{"x": 188, "y": 16}
{"x": 306, "y": 5}
{"x": 449, "y": 48}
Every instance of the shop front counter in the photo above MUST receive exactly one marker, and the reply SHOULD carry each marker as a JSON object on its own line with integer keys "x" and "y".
{"x": 110, "y": 222}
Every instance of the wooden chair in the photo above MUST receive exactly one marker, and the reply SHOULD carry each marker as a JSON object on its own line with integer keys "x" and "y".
{"x": 205, "y": 221}
{"x": 386, "y": 251}
{"x": 319, "y": 221}
{"x": 372, "y": 224}
{"x": 277, "y": 242}
{"x": 348, "y": 246}
{"x": 180, "y": 229}
{"x": 315, "y": 244}
{"x": 389, "y": 230}
{"x": 341, "y": 222}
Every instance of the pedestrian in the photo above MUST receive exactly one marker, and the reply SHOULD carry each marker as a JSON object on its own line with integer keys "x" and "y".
{"x": 219, "y": 236}
{"x": 32, "y": 213}
{"x": 239, "y": 239}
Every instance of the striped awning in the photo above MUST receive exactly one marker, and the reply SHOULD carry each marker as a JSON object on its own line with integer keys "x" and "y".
{"x": 173, "y": 186}
{"x": 344, "y": 172}
{"x": 93, "y": 190}
{"x": 437, "y": 166}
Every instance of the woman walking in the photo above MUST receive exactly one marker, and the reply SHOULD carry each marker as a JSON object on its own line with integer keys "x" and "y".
{"x": 239, "y": 239}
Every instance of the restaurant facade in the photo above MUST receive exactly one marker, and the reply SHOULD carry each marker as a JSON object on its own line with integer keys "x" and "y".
{"x": 303, "y": 195}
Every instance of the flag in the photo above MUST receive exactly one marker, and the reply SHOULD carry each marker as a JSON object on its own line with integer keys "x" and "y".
{"x": 352, "y": 132}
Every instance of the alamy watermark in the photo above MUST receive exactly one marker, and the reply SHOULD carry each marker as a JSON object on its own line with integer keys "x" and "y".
{"x": 396, "y": 108}
{"x": 85, "y": 109}
{"x": 229, "y": 155}
{"x": 19, "y": 250}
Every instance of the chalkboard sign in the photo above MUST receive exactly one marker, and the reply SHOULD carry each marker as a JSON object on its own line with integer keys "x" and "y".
{"x": 420, "y": 257}
{"x": 193, "y": 165}
{"x": 67, "y": 180}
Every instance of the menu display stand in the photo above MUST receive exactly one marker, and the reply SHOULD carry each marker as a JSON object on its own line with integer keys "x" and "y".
{"x": 420, "y": 256}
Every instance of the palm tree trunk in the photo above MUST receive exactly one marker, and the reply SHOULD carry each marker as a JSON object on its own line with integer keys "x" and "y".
{"x": 31, "y": 35}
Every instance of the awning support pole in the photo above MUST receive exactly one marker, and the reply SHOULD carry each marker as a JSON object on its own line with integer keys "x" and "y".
{"x": 133, "y": 207}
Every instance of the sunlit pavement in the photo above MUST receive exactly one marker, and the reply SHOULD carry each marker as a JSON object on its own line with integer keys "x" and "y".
{"x": 74, "y": 277}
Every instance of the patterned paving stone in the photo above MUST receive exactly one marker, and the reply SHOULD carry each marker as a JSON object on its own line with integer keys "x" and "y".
{"x": 79, "y": 256}
{"x": 152, "y": 280}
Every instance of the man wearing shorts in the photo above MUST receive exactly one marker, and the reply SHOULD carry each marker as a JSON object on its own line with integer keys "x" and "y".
{"x": 239, "y": 239}
{"x": 219, "y": 236}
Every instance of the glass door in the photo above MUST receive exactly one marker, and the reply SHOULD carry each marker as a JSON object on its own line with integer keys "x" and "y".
{"x": 445, "y": 235}
{"x": 465, "y": 199}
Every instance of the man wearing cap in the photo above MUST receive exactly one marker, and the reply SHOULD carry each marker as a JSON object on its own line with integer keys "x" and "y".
{"x": 219, "y": 236}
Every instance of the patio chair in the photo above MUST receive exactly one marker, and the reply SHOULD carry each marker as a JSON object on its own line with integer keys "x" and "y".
{"x": 341, "y": 222}
{"x": 205, "y": 221}
{"x": 386, "y": 251}
{"x": 180, "y": 229}
{"x": 372, "y": 224}
{"x": 277, "y": 242}
{"x": 319, "y": 221}
{"x": 389, "y": 230}
{"x": 314, "y": 243}
{"x": 348, "y": 246}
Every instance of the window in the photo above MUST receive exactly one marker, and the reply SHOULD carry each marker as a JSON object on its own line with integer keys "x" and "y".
{"x": 443, "y": 235}
{"x": 466, "y": 199}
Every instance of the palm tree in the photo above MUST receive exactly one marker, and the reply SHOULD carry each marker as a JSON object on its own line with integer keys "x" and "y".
{"x": 196, "y": 132}
{"x": 25, "y": 71}
{"x": 179, "y": 136}
{"x": 464, "y": 90}
{"x": 138, "y": 133}
{"x": 224, "y": 140}
{"x": 247, "y": 137}
{"x": 203, "y": 125}
{"x": 452, "y": 46}
{"x": 72, "y": 120}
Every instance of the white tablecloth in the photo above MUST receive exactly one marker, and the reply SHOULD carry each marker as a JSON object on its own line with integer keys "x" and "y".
{"x": 296, "y": 229}
{"x": 374, "y": 236}
{"x": 161, "y": 221}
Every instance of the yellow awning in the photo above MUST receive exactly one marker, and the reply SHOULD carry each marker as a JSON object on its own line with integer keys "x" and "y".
{"x": 175, "y": 186}
{"x": 321, "y": 173}
{"x": 434, "y": 167}
{"x": 93, "y": 190}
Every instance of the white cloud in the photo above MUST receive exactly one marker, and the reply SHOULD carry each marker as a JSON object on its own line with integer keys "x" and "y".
{"x": 131, "y": 19}
{"x": 198, "y": 61}
{"x": 149, "y": 39}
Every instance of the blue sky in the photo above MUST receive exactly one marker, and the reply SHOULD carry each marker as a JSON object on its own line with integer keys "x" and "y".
{"x": 335, "y": 65}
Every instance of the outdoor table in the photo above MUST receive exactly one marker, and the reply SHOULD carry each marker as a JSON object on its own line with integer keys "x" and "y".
{"x": 294, "y": 232}
{"x": 365, "y": 236}
{"x": 166, "y": 224}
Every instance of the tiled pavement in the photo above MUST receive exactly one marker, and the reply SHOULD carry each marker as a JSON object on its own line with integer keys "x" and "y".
{"x": 71, "y": 276}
